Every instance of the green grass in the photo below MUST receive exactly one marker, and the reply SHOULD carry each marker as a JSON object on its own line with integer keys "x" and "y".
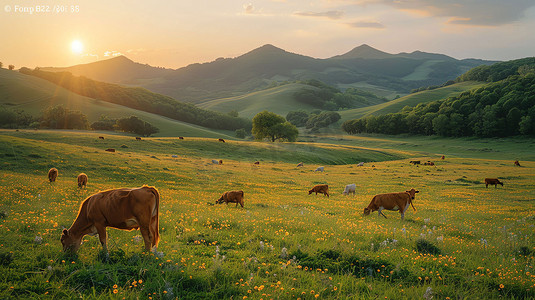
{"x": 409, "y": 100}
{"x": 33, "y": 95}
{"x": 279, "y": 100}
{"x": 464, "y": 240}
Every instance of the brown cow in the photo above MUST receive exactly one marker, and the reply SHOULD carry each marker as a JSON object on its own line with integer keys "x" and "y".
{"x": 101, "y": 137}
{"x": 429, "y": 163}
{"x": 392, "y": 201}
{"x": 256, "y": 162}
{"x": 82, "y": 180}
{"x": 300, "y": 164}
{"x": 138, "y": 138}
{"x": 443, "y": 157}
{"x": 125, "y": 208}
{"x": 221, "y": 140}
{"x": 492, "y": 181}
{"x": 52, "y": 174}
{"x": 231, "y": 197}
{"x": 110, "y": 150}
{"x": 320, "y": 188}
{"x": 180, "y": 137}
{"x": 414, "y": 162}
{"x": 517, "y": 163}
{"x": 220, "y": 161}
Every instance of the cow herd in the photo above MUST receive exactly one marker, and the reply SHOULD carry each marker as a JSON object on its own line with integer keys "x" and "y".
{"x": 137, "y": 208}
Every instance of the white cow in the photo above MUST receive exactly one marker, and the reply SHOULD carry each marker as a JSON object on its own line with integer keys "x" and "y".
{"x": 215, "y": 162}
{"x": 319, "y": 169}
{"x": 350, "y": 188}
{"x": 360, "y": 164}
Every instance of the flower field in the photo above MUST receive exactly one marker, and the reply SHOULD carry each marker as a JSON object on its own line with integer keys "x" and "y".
{"x": 463, "y": 241}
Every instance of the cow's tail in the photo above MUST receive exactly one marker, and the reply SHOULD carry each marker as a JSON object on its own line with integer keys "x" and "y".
{"x": 410, "y": 200}
{"x": 155, "y": 212}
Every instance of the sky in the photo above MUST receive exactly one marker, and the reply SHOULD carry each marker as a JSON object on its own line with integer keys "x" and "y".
{"x": 173, "y": 34}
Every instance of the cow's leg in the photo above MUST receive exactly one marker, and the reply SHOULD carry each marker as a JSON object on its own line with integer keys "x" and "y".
{"x": 147, "y": 236}
{"x": 153, "y": 230}
{"x": 381, "y": 212}
{"x": 102, "y": 236}
{"x": 487, "y": 185}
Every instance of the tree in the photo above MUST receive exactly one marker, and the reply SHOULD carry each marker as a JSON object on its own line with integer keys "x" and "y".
{"x": 298, "y": 118}
{"x": 11, "y": 67}
{"x": 241, "y": 133}
{"x": 59, "y": 117}
{"x": 1, "y": 65}
{"x": 135, "y": 125}
{"x": 233, "y": 113}
{"x": 272, "y": 126}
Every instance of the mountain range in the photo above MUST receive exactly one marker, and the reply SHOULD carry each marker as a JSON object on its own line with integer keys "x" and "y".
{"x": 364, "y": 67}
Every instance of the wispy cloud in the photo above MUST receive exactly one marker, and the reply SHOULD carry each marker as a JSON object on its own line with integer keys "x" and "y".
{"x": 112, "y": 53}
{"x": 333, "y": 14}
{"x": 248, "y": 8}
{"x": 363, "y": 24}
{"x": 462, "y": 12}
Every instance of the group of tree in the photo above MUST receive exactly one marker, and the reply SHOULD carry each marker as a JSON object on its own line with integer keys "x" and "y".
{"x": 130, "y": 124}
{"x": 16, "y": 119}
{"x": 270, "y": 126}
{"x": 327, "y": 97}
{"x": 313, "y": 121}
{"x": 11, "y": 67}
{"x": 142, "y": 99}
{"x": 502, "y": 108}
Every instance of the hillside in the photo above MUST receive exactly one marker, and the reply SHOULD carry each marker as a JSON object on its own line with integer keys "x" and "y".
{"x": 390, "y": 74}
{"x": 410, "y": 100}
{"x": 33, "y": 95}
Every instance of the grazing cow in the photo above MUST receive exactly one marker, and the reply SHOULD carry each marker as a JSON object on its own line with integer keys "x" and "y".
{"x": 319, "y": 169}
{"x": 82, "y": 180}
{"x": 174, "y": 156}
{"x": 414, "y": 162}
{"x": 517, "y": 163}
{"x": 221, "y": 140}
{"x": 232, "y": 197}
{"x": 52, "y": 174}
{"x": 429, "y": 163}
{"x": 138, "y": 138}
{"x": 320, "y": 188}
{"x": 101, "y": 137}
{"x": 220, "y": 161}
{"x": 443, "y": 157}
{"x": 256, "y": 162}
{"x": 125, "y": 208}
{"x": 110, "y": 150}
{"x": 350, "y": 188}
{"x": 180, "y": 137}
{"x": 360, "y": 164}
{"x": 492, "y": 181}
{"x": 391, "y": 201}
{"x": 215, "y": 162}
{"x": 300, "y": 164}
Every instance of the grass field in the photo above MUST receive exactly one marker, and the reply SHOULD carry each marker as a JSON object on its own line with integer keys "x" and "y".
{"x": 464, "y": 240}
{"x": 409, "y": 100}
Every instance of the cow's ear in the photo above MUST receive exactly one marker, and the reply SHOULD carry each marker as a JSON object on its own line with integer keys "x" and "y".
{"x": 65, "y": 232}
{"x": 416, "y": 191}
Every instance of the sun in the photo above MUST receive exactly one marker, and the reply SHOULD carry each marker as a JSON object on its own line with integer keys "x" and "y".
{"x": 77, "y": 47}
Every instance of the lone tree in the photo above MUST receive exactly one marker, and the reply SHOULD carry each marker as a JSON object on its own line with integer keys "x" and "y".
{"x": 274, "y": 127}
{"x": 11, "y": 67}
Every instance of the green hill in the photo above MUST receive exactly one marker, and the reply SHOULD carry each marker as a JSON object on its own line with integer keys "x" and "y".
{"x": 410, "y": 100}
{"x": 33, "y": 95}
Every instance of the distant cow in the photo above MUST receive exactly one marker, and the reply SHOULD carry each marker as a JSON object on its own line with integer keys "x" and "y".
{"x": 360, "y": 164}
{"x": 82, "y": 180}
{"x": 391, "y": 201}
{"x": 52, "y": 174}
{"x": 256, "y": 162}
{"x": 443, "y": 157}
{"x": 125, "y": 208}
{"x": 110, "y": 150}
{"x": 429, "y": 163}
{"x": 138, "y": 138}
{"x": 180, "y": 137}
{"x": 215, "y": 162}
{"x": 415, "y": 162}
{"x": 319, "y": 169}
{"x": 492, "y": 181}
{"x": 101, "y": 137}
{"x": 231, "y": 197}
{"x": 221, "y": 140}
{"x": 350, "y": 188}
{"x": 320, "y": 188}
{"x": 300, "y": 164}
{"x": 517, "y": 163}
{"x": 174, "y": 156}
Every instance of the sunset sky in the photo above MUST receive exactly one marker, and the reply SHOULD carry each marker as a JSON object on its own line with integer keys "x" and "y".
{"x": 174, "y": 34}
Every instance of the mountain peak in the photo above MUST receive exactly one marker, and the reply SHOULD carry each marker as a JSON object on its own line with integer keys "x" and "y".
{"x": 364, "y": 51}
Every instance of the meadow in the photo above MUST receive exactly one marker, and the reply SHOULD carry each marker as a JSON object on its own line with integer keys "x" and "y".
{"x": 463, "y": 241}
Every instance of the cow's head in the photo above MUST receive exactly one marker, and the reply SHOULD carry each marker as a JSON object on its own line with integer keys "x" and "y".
{"x": 69, "y": 242}
{"x": 367, "y": 211}
{"x": 311, "y": 191}
{"x": 412, "y": 193}
{"x": 220, "y": 200}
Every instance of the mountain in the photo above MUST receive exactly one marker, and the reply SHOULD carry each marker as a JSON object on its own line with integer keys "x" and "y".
{"x": 363, "y": 67}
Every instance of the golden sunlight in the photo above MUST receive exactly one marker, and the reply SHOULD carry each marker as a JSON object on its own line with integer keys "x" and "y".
{"x": 77, "y": 47}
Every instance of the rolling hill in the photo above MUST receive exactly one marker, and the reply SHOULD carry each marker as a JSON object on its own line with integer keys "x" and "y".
{"x": 390, "y": 74}
{"x": 33, "y": 95}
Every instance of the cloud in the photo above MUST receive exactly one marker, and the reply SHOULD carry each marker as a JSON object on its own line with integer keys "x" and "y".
{"x": 112, "y": 53}
{"x": 462, "y": 12}
{"x": 333, "y": 14}
{"x": 249, "y": 8}
{"x": 363, "y": 24}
